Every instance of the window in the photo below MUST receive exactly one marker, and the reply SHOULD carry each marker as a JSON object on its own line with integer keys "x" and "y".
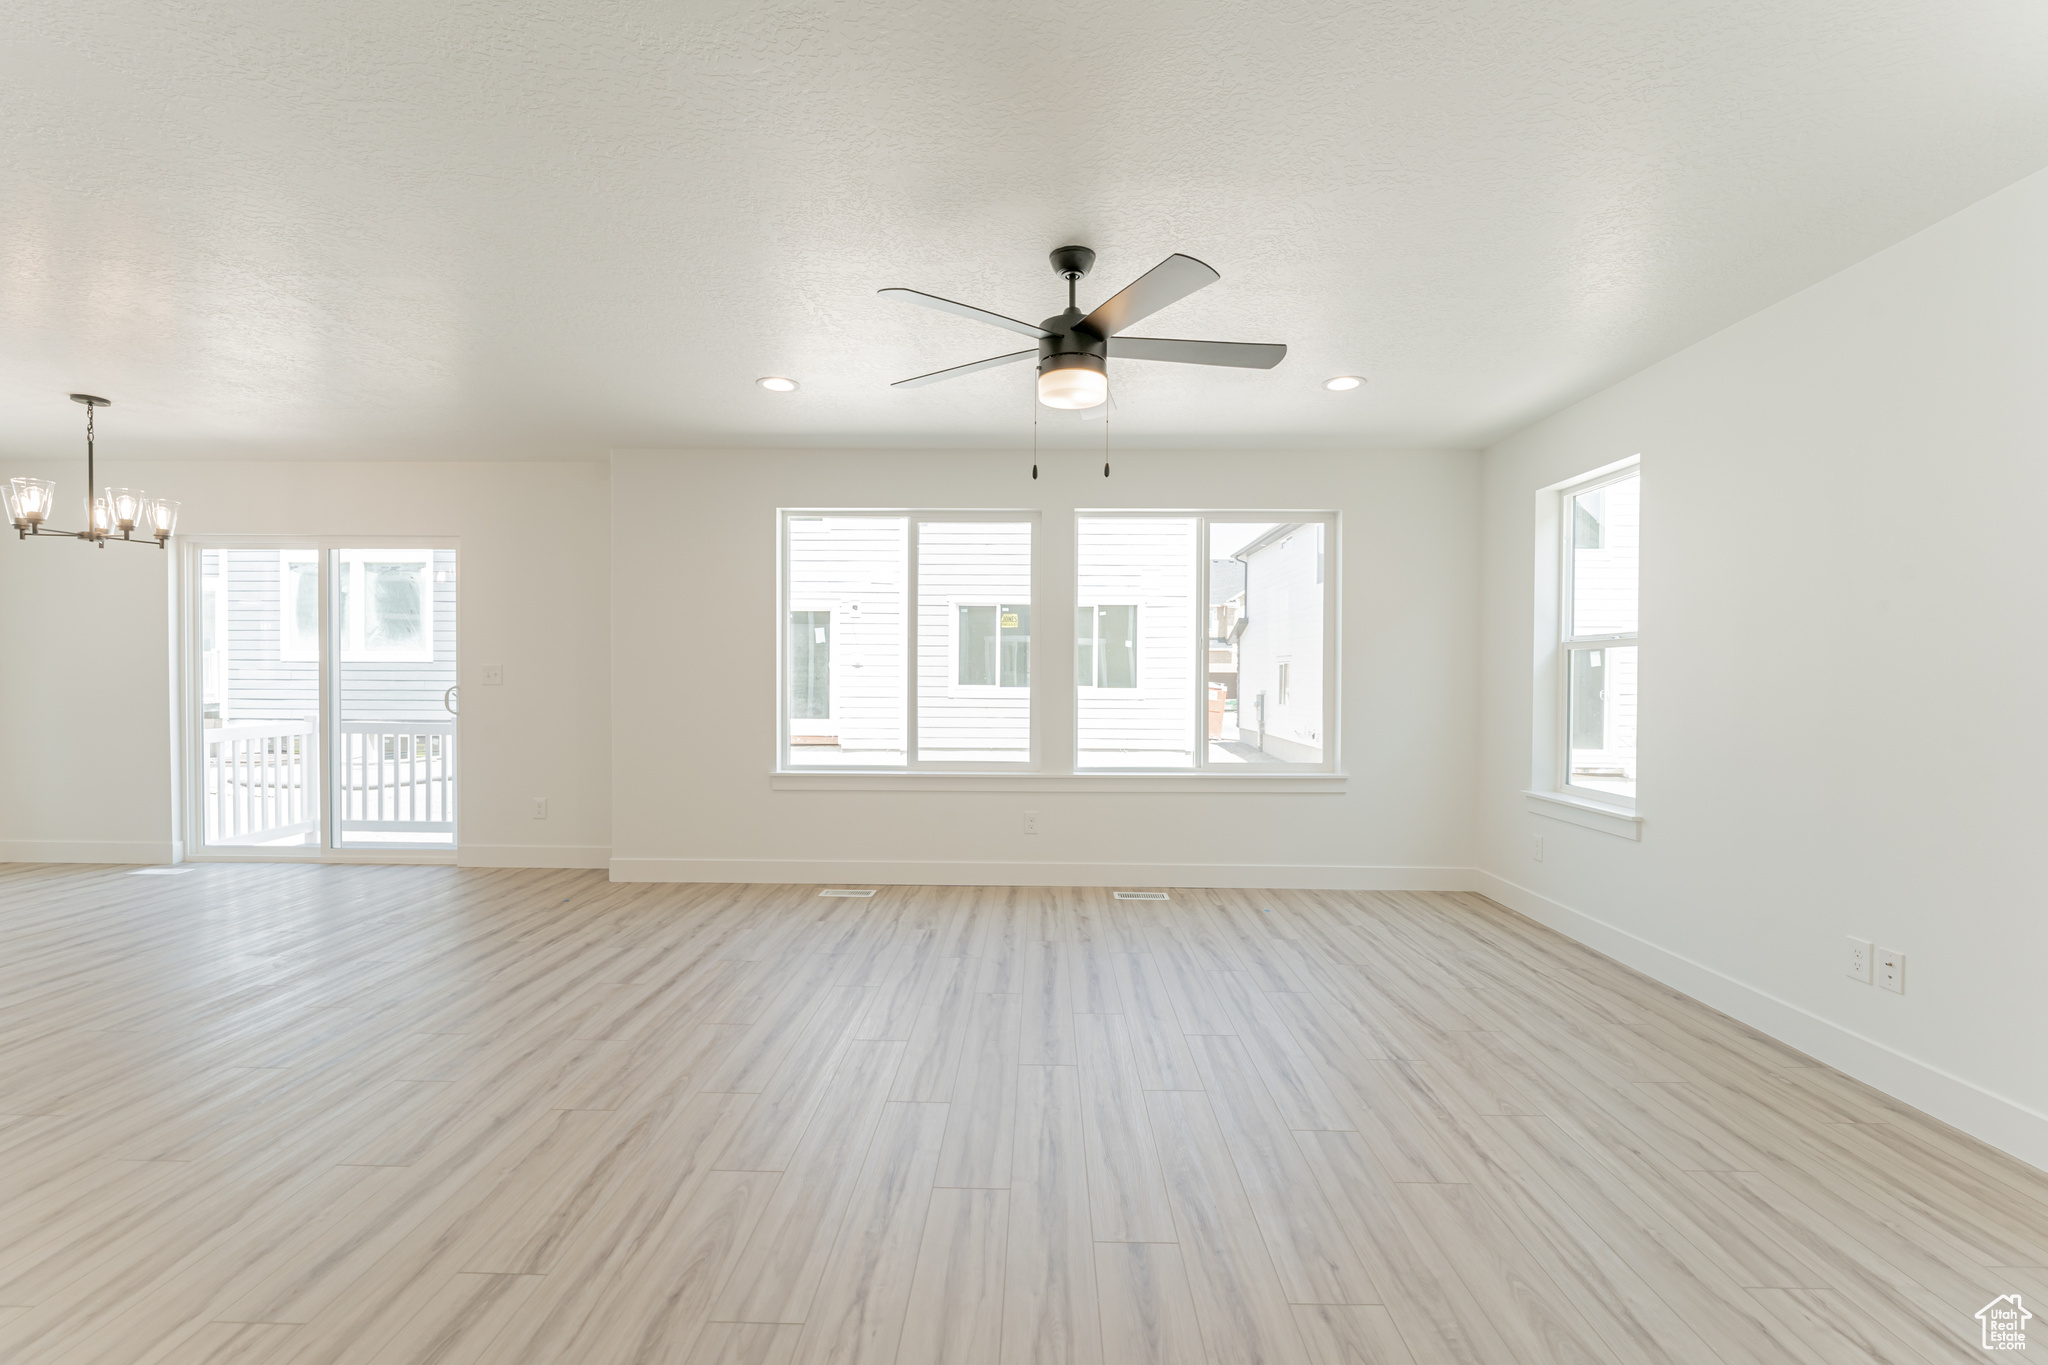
{"x": 298, "y": 606}
{"x": 1598, "y": 647}
{"x": 1106, "y": 645}
{"x": 384, "y": 601}
{"x": 1199, "y": 641}
{"x": 992, "y": 643}
{"x": 906, "y": 640}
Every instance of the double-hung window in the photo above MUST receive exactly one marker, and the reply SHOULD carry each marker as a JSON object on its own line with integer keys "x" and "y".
{"x": 906, "y": 639}
{"x": 1601, "y": 525}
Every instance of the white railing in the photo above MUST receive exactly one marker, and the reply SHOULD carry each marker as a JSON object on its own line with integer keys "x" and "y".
{"x": 397, "y": 776}
{"x": 262, "y": 781}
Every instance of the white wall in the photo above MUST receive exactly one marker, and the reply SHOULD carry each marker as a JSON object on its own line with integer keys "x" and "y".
{"x": 86, "y": 731}
{"x": 694, "y": 670}
{"x": 1844, "y": 669}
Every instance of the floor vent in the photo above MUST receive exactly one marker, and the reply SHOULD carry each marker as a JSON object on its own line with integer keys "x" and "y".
{"x": 834, "y": 892}
{"x": 1140, "y": 895}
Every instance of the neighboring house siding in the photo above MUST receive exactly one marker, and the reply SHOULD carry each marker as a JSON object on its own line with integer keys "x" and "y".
{"x": 854, "y": 567}
{"x": 1149, "y": 561}
{"x": 261, "y": 685}
{"x": 972, "y": 562}
{"x": 1283, "y": 623}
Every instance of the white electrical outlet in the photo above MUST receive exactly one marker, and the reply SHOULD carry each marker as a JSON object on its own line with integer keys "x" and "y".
{"x": 540, "y": 808}
{"x": 494, "y": 675}
{"x": 1891, "y": 970}
{"x": 1031, "y": 822}
{"x": 1536, "y": 848}
{"x": 1859, "y": 960}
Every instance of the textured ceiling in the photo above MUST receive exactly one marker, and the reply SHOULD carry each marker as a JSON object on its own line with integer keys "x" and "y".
{"x": 516, "y": 229}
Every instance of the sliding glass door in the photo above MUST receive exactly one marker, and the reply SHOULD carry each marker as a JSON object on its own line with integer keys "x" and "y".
{"x": 257, "y": 780}
{"x": 395, "y": 698}
{"x": 321, "y": 713}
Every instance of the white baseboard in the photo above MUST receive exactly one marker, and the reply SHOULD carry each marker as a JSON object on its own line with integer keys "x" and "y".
{"x": 2004, "y": 1123}
{"x": 533, "y": 855}
{"x": 89, "y": 851}
{"x": 1335, "y": 877}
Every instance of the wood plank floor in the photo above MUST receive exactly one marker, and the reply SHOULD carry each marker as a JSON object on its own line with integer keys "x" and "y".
{"x": 272, "y": 1113}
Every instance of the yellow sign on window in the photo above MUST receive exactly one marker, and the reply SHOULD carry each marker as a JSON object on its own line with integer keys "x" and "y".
{"x": 1009, "y": 620}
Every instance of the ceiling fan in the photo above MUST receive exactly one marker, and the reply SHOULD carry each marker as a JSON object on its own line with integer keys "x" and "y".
{"x": 1074, "y": 350}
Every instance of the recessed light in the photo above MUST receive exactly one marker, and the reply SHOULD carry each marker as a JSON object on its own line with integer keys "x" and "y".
{"x": 775, "y": 383}
{"x": 1337, "y": 385}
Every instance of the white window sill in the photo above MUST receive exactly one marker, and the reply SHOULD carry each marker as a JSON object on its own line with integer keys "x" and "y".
{"x": 1578, "y": 810}
{"x": 1291, "y": 784}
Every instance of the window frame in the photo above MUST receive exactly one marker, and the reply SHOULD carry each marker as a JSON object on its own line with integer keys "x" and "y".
{"x": 1570, "y": 643}
{"x": 912, "y": 517}
{"x": 1329, "y": 538}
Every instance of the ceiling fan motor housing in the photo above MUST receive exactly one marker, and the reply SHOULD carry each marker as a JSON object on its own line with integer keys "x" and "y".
{"x": 1072, "y": 346}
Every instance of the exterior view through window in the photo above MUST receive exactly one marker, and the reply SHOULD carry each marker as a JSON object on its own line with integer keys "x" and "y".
{"x": 852, "y": 680}
{"x": 1267, "y": 618}
{"x": 1199, "y": 641}
{"x": 1602, "y": 531}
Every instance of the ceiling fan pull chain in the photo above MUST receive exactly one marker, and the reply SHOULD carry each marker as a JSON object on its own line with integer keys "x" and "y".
{"x": 1107, "y": 405}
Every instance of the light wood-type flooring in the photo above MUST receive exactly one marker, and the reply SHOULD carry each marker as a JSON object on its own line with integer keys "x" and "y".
{"x": 271, "y": 1113}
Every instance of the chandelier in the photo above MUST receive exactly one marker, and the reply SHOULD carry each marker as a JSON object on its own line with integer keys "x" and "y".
{"x": 113, "y": 514}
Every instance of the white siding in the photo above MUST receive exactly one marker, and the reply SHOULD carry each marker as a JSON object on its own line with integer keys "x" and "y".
{"x": 1149, "y": 561}
{"x": 973, "y": 562}
{"x": 1283, "y": 623}
{"x": 262, "y": 685}
{"x": 855, "y": 567}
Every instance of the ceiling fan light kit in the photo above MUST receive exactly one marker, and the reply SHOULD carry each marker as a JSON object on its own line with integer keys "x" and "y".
{"x": 112, "y": 514}
{"x": 1074, "y": 349}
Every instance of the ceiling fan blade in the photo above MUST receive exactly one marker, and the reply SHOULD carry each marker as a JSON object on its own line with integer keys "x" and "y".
{"x": 936, "y": 375}
{"x": 1243, "y": 355}
{"x": 1172, "y": 280}
{"x": 965, "y": 310}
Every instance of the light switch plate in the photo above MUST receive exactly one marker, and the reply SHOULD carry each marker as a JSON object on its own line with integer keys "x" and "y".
{"x": 1891, "y": 970}
{"x": 1859, "y": 960}
{"x": 494, "y": 675}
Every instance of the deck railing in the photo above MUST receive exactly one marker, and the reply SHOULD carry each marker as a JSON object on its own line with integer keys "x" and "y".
{"x": 262, "y": 781}
{"x": 397, "y": 776}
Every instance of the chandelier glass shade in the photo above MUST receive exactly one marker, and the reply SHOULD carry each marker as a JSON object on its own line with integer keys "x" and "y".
{"x": 125, "y": 514}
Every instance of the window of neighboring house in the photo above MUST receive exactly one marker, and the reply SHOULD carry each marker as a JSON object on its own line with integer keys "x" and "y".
{"x": 907, "y": 640}
{"x": 1106, "y": 645}
{"x": 385, "y": 599}
{"x": 1199, "y": 641}
{"x": 1598, "y": 639}
{"x": 992, "y": 644}
{"x": 298, "y": 606}
{"x": 810, "y": 665}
